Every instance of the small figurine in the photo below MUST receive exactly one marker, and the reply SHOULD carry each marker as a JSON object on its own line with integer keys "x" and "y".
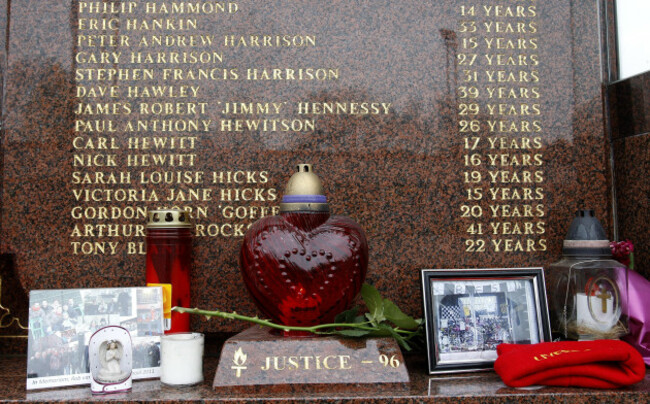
{"x": 110, "y": 355}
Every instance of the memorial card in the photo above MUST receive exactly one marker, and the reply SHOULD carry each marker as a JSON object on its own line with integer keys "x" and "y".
{"x": 62, "y": 321}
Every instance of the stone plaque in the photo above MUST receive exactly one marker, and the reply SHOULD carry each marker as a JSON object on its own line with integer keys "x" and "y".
{"x": 258, "y": 359}
{"x": 458, "y": 133}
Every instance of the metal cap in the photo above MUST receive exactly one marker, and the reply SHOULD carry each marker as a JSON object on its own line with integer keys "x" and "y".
{"x": 168, "y": 219}
{"x": 304, "y": 192}
{"x": 586, "y": 237}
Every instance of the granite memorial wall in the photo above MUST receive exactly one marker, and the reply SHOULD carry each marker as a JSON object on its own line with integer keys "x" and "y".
{"x": 458, "y": 133}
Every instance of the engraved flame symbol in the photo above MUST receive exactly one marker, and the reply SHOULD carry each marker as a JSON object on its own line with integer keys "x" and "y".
{"x": 240, "y": 357}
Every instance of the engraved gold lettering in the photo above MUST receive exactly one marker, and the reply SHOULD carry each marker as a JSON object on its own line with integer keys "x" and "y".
{"x": 292, "y": 363}
{"x": 510, "y": 11}
{"x": 278, "y": 41}
{"x": 100, "y": 177}
{"x": 224, "y": 230}
{"x": 513, "y": 92}
{"x": 159, "y": 160}
{"x": 499, "y": 27}
{"x": 511, "y": 228}
{"x": 214, "y": 74}
{"x": 163, "y": 91}
{"x": 515, "y": 160}
{"x": 176, "y": 195}
{"x": 523, "y": 177}
{"x": 136, "y": 248}
{"x": 187, "y": 7}
{"x": 109, "y": 230}
{"x": 91, "y": 74}
{"x": 252, "y": 108}
{"x": 525, "y": 194}
{"x": 248, "y": 194}
{"x": 524, "y": 143}
{"x": 171, "y": 177}
{"x": 167, "y": 143}
{"x": 500, "y": 210}
{"x": 101, "y": 7}
{"x": 172, "y": 57}
{"x": 267, "y": 125}
{"x": 98, "y": 58}
{"x": 94, "y": 126}
{"x": 240, "y": 177}
{"x": 344, "y": 108}
{"x": 514, "y": 109}
{"x": 97, "y": 91}
{"x": 516, "y": 245}
{"x": 167, "y": 24}
{"x": 177, "y": 40}
{"x": 94, "y": 248}
{"x": 112, "y": 108}
{"x": 168, "y": 125}
{"x": 519, "y": 76}
{"x": 320, "y": 74}
{"x": 102, "y": 41}
{"x": 115, "y": 195}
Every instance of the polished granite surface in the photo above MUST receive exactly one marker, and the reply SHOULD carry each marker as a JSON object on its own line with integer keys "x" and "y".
{"x": 466, "y": 388}
{"x": 399, "y": 174}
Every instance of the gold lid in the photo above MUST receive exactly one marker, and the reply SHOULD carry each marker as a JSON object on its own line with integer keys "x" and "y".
{"x": 168, "y": 219}
{"x": 304, "y": 192}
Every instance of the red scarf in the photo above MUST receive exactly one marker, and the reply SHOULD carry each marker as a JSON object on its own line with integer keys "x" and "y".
{"x": 602, "y": 364}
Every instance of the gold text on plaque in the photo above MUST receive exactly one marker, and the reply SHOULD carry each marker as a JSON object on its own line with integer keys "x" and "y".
{"x": 308, "y": 362}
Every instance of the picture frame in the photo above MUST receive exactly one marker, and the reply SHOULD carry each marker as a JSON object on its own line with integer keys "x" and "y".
{"x": 468, "y": 312}
{"x": 63, "y": 321}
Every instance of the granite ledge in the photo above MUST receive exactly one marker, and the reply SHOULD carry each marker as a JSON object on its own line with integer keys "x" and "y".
{"x": 483, "y": 387}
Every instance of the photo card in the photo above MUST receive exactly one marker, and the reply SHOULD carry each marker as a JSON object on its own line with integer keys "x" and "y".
{"x": 61, "y": 322}
{"x": 469, "y": 312}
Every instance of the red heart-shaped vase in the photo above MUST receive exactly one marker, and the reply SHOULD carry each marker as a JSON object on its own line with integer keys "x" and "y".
{"x": 304, "y": 268}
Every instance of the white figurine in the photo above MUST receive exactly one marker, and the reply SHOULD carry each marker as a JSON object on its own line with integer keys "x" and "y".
{"x": 111, "y": 359}
{"x": 110, "y": 371}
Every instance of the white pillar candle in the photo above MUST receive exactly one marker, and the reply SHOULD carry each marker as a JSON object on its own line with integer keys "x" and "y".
{"x": 601, "y": 320}
{"x": 181, "y": 358}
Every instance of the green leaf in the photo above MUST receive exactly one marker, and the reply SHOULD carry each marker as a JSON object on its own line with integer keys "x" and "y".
{"x": 382, "y": 330}
{"x": 352, "y": 333}
{"x": 392, "y": 333}
{"x": 397, "y": 317}
{"x": 374, "y": 302}
{"x": 348, "y": 316}
{"x": 359, "y": 319}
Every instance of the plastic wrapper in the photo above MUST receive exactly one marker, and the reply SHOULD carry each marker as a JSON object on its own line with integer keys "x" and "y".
{"x": 637, "y": 307}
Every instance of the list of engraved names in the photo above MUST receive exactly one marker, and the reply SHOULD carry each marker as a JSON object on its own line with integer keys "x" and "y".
{"x": 147, "y": 78}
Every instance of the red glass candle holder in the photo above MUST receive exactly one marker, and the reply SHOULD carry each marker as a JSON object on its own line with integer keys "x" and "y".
{"x": 303, "y": 266}
{"x": 169, "y": 259}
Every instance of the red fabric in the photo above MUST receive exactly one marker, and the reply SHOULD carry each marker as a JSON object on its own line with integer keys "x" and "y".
{"x": 602, "y": 364}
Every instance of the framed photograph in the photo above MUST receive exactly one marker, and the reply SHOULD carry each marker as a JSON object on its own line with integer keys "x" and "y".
{"x": 62, "y": 321}
{"x": 469, "y": 312}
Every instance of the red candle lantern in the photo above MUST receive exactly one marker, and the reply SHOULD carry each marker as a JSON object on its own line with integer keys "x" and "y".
{"x": 304, "y": 266}
{"x": 169, "y": 260}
